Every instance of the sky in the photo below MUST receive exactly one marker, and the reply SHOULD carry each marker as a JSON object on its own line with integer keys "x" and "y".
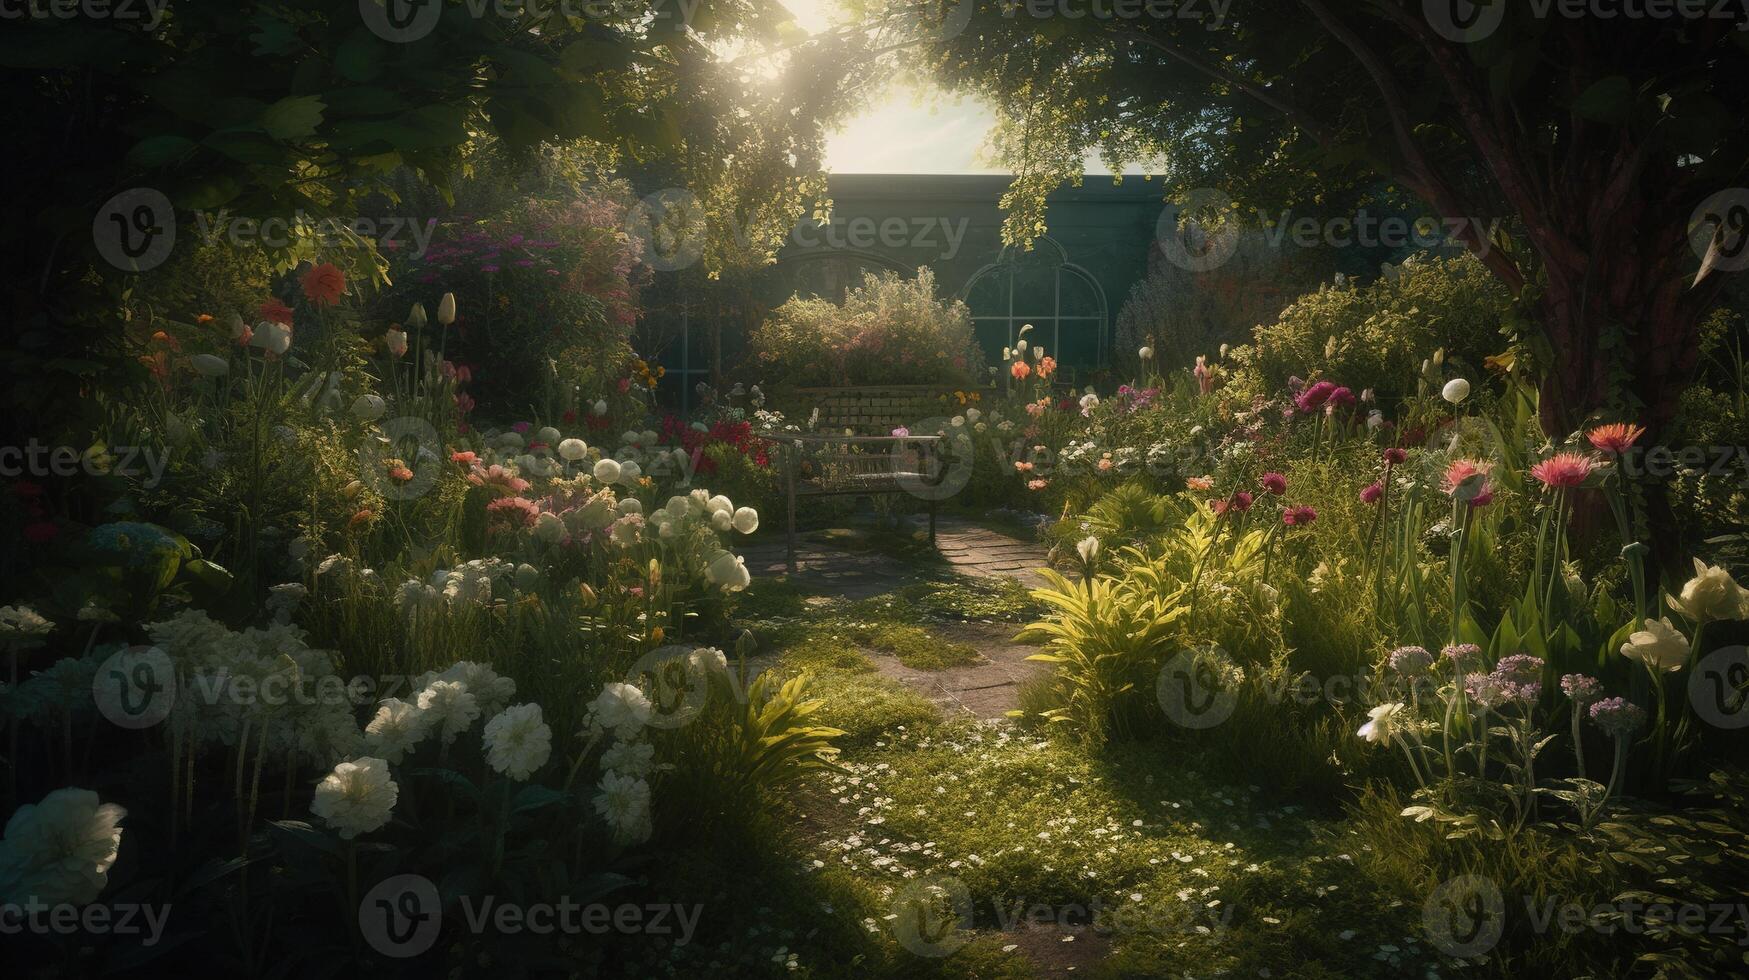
{"x": 909, "y": 131}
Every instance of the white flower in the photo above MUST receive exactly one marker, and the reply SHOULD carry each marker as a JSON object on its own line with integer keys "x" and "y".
{"x": 1382, "y": 725}
{"x": 547, "y": 435}
{"x": 357, "y": 797}
{"x": 1660, "y": 646}
{"x": 1088, "y": 547}
{"x": 1455, "y": 390}
{"x": 1146, "y": 353}
{"x": 416, "y": 316}
{"x": 517, "y": 741}
{"x": 722, "y": 520}
{"x": 746, "y": 520}
{"x": 607, "y": 470}
{"x": 573, "y": 449}
{"x": 601, "y": 406}
{"x": 630, "y": 505}
{"x": 620, "y": 708}
{"x": 1020, "y": 345}
{"x": 450, "y": 706}
{"x": 707, "y": 660}
{"x": 396, "y": 342}
{"x": 210, "y": 365}
{"x": 1711, "y": 594}
{"x": 1089, "y": 402}
{"x": 275, "y": 338}
{"x": 59, "y": 851}
{"x": 446, "y": 309}
{"x": 630, "y": 472}
{"x": 728, "y": 570}
{"x": 629, "y": 758}
{"x": 624, "y": 802}
{"x": 20, "y": 624}
{"x": 491, "y": 692}
{"x": 368, "y": 407}
{"x": 396, "y": 730}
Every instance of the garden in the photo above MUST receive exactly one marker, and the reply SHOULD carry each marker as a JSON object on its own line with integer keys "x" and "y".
{"x": 433, "y": 549}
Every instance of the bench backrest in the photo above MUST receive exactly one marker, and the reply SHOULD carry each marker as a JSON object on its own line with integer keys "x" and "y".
{"x": 873, "y": 411}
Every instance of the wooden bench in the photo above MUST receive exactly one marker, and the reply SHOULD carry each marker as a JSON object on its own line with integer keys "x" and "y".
{"x": 821, "y": 465}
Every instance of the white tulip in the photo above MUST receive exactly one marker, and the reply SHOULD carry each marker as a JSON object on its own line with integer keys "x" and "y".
{"x": 1088, "y": 547}
{"x": 396, "y": 342}
{"x": 446, "y": 309}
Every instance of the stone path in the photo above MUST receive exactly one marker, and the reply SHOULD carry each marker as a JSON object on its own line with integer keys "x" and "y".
{"x": 857, "y": 574}
{"x": 988, "y": 689}
{"x": 846, "y": 564}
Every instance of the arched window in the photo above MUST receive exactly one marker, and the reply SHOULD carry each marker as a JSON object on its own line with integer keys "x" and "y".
{"x": 1063, "y": 303}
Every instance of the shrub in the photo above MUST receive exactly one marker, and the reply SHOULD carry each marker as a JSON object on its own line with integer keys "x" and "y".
{"x": 889, "y": 331}
{"x": 1376, "y": 336}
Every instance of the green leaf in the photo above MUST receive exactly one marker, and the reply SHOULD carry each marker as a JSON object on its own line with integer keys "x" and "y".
{"x": 1607, "y": 100}
{"x": 294, "y": 117}
{"x": 157, "y": 151}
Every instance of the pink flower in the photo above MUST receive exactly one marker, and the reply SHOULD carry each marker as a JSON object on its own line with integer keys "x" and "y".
{"x": 1023, "y": 467}
{"x": 1394, "y": 456}
{"x": 1205, "y": 378}
{"x": 1202, "y": 483}
{"x": 1563, "y": 470}
{"x": 901, "y": 432}
{"x": 1314, "y": 396}
{"x": 1461, "y": 470}
{"x": 1275, "y": 483}
{"x": 1105, "y": 465}
{"x": 1371, "y": 493}
{"x": 1299, "y": 516}
{"x": 520, "y": 427}
{"x": 1238, "y": 503}
{"x": 1616, "y": 437}
{"x": 1037, "y": 484}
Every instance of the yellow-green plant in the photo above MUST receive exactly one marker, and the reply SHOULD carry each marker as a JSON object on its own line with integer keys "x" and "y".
{"x": 1104, "y": 634}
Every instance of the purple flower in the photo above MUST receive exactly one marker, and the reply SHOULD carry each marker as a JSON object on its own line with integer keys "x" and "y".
{"x": 1520, "y": 666}
{"x": 1582, "y": 688}
{"x": 1314, "y": 396}
{"x": 1410, "y": 661}
{"x": 1459, "y": 653}
{"x": 1485, "y": 690}
{"x": 1618, "y": 717}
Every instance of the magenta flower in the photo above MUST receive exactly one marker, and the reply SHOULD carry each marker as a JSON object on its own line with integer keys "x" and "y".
{"x": 1371, "y": 493}
{"x": 1275, "y": 483}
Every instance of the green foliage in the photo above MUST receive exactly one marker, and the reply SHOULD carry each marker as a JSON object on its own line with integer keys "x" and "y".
{"x": 1376, "y": 336}
{"x": 1107, "y": 637}
{"x": 889, "y": 330}
{"x": 747, "y": 747}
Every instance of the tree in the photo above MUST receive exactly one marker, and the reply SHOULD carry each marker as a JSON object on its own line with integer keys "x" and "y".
{"x": 1601, "y": 139}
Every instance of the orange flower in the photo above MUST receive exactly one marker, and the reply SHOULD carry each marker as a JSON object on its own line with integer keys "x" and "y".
{"x": 158, "y": 364}
{"x": 1046, "y": 365}
{"x": 1615, "y": 437}
{"x": 362, "y": 517}
{"x": 1020, "y": 370}
{"x": 204, "y": 318}
{"x": 1200, "y": 483}
{"x": 160, "y": 337}
{"x": 324, "y": 284}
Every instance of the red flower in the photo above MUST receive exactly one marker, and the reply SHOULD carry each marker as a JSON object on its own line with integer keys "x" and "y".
{"x": 1239, "y": 503}
{"x": 41, "y": 532}
{"x": 1371, "y": 493}
{"x": 1275, "y": 483}
{"x": 274, "y": 311}
{"x": 1395, "y": 456}
{"x": 1298, "y": 516}
{"x": 324, "y": 284}
{"x": 464, "y": 457}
